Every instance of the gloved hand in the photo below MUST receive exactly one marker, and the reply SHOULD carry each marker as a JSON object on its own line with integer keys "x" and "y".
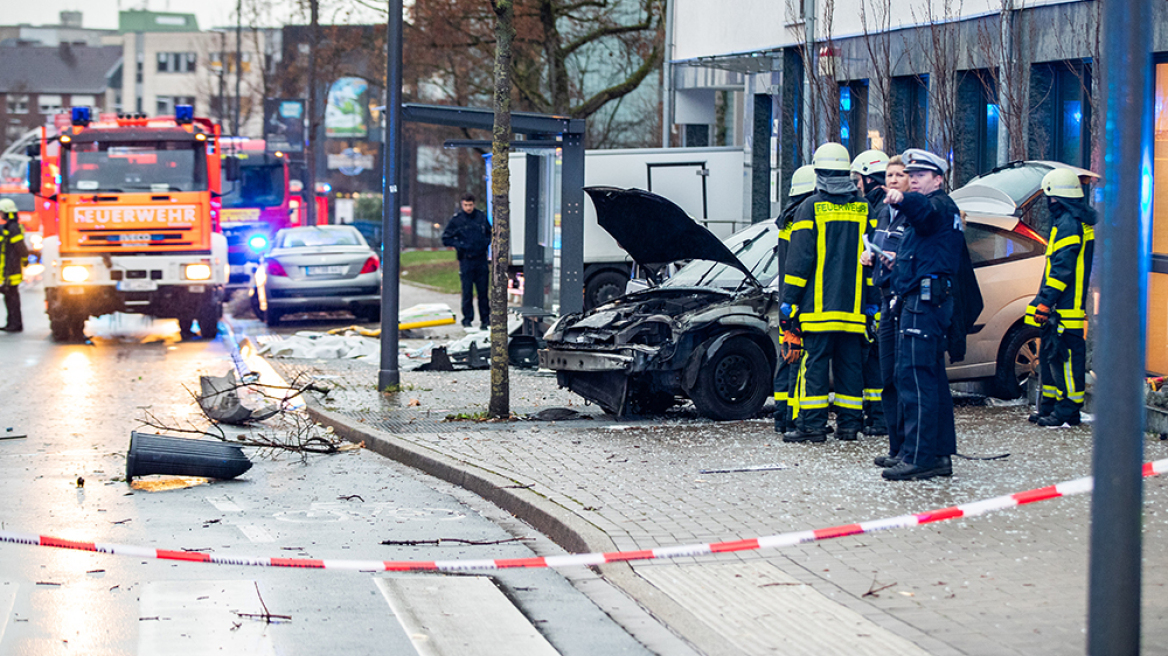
{"x": 786, "y": 309}
{"x": 1041, "y": 314}
{"x": 792, "y": 347}
{"x": 871, "y": 310}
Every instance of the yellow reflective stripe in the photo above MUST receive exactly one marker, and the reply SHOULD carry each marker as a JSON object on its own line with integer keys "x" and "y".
{"x": 801, "y": 225}
{"x": 1080, "y": 266}
{"x": 834, "y": 327}
{"x": 1072, "y": 314}
{"x": 1052, "y": 392}
{"x": 785, "y": 232}
{"x": 835, "y": 315}
{"x": 791, "y": 279}
{"x": 851, "y": 402}
{"x": 854, "y": 212}
{"x": 1057, "y": 284}
{"x": 1074, "y": 324}
{"x": 873, "y": 394}
{"x": 813, "y": 402}
{"x": 18, "y": 237}
{"x": 795, "y": 402}
{"x": 780, "y": 396}
{"x": 1064, "y": 242}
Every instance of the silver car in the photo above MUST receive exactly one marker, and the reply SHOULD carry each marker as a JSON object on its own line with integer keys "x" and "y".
{"x": 318, "y": 268}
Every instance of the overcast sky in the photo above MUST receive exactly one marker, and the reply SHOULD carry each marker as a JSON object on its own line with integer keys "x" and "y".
{"x": 104, "y": 13}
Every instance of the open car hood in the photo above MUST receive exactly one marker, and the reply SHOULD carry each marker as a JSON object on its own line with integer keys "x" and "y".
{"x": 654, "y": 231}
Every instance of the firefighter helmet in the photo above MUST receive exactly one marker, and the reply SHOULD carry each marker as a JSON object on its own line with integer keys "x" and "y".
{"x": 831, "y": 156}
{"x": 870, "y": 162}
{"x": 802, "y": 181}
{"x": 1062, "y": 183}
{"x": 7, "y": 207}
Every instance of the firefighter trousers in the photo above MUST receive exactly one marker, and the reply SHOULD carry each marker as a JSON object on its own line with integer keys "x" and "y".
{"x": 839, "y": 358}
{"x": 886, "y": 340}
{"x": 12, "y": 307}
{"x": 926, "y": 405}
{"x": 873, "y": 384}
{"x": 1063, "y": 360}
{"x": 785, "y": 386}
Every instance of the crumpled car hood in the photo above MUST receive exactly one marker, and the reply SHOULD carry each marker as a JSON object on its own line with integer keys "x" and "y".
{"x": 655, "y": 231}
{"x": 646, "y": 317}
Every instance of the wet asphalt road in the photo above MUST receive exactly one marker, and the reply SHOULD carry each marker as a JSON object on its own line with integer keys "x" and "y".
{"x": 78, "y": 403}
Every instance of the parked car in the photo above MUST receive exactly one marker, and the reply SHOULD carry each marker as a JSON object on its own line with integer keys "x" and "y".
{"x": 317, "y": 268}
{"x": 707, "y": 333}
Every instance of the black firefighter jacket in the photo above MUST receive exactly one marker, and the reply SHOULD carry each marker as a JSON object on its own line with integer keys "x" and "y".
{"x": 1068, "y": 263}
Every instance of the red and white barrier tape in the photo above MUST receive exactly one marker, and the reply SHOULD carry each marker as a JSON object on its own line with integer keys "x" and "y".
{"x": 1065, "y": 489}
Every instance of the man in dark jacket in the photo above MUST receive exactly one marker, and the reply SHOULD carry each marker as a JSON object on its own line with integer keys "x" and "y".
{"x": 869, "y": 168}
{"x": 923, "y": 277}
{"x": 1060, "y": 306}
{"x": 469, "y": 233}
{"x": 824, "y": 289}
{"x": 13, "y": 259}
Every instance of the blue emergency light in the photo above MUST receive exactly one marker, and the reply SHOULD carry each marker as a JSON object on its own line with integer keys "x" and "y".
{"x": 81, "y": 116}
{"x": 184, "y": 114}
{"x": 257, "y": 242}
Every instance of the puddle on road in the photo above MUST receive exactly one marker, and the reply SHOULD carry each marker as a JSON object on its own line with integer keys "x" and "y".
{"x": 151, "y": 484}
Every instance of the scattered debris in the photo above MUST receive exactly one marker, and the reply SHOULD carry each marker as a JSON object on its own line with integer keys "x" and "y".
{"x": 744, "y": 468}
{"x": 220, "y": 401}
{"x": 80, "y": 482}
{"x": 53, "y": 583}
{"x": 176, "y": 456}
{"x": 556, "y": 414}
{"x": 266, "y": 616}
{"x": 350, "y": 497}
{"x": 439, "y": 541}
{"x": 11, "y": 433}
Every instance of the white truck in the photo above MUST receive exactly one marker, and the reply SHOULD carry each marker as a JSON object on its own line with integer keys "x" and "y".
{"x": 705, "y": 182}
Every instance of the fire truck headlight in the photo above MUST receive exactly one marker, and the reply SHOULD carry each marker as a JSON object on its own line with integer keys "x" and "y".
{"x": 75, "y": 273}
{"x": 257, "y": 243}
{"x": 198, "y": 272}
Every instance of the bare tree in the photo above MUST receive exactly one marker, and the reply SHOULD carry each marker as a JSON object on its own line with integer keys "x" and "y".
{"x": 940, "y": 46}
{"x": 500, "y": 403}
{"x": 819, "y": 56}
{"x": 876, "y": 23}
{"x": 1007, "y": 47}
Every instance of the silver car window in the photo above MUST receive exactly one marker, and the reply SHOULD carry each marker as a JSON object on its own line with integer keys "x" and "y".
{"x": 989, "y": 246}
{"x": 311, "y": 237}
{"x": 754, "y": 246}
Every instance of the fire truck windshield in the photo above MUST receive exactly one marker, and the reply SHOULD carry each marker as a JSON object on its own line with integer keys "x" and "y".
{"x": 24, "y": 202}
{"x": 133, "y": 166}
{"x": 258, "y": 186}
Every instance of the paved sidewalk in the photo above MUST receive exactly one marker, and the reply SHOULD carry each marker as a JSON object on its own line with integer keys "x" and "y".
{"x": 1008, "y": 583}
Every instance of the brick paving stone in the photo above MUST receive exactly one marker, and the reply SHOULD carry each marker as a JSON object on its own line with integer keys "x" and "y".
{"x": 1007, "y": 574}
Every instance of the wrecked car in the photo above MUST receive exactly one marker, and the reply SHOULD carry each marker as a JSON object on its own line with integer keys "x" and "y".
{"x": 704, "y": 334}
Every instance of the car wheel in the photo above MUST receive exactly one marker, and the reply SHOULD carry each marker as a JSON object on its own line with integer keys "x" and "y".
{"x": 733, "y": 383}
{"x": 272, "y": 316}
{"x": 603, "y": 287}
{"x": 368, "y": 314}
{"x": 1018, "y": 361}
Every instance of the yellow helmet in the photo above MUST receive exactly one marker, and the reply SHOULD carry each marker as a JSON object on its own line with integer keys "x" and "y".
{"x": 7, "y": 206}
{"x": 831, "y": 156}
{"x": 1062, "y": 183}
{"x": 802, "y": 181}
{"x": 870, "y": 162}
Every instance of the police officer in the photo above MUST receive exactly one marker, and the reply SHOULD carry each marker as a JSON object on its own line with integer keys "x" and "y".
{"x": 824, "y": 289}
{"x": 1059, "y": 307}
{"x": 469, "y": 233}
{"x": 786, "y": 373}
{"x": 889, "y": 231}
{"x": 13, "y": 259}
{"x": 923, "y": 276}
{"x": 868, "y": 169}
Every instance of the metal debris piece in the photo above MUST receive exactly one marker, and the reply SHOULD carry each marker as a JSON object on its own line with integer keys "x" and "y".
{"x": 221, "y": 403}
{"x": 745, "y": 468}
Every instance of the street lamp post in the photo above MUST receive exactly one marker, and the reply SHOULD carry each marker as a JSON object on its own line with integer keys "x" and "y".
{"x": 389, "y": 376}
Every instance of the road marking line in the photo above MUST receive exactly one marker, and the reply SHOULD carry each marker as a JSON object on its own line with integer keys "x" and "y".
{"x": 7, "y": 601}
{"x": 197, "y": 618}
{"x": 255, "y": 533}
{"x": 224, "y": 504}
{"x": 461, "y": 615}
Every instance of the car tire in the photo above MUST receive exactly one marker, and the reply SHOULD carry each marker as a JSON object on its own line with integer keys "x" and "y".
{"x": 603, "y": 287}
{"x": 67, "y": 328}
{"x": 1017, "y": 361}
{"x": 368, "y": 314}
{"x": 734, "y": 383}
{"x": 208, "y": 317}
{"x": 272, "y": 317}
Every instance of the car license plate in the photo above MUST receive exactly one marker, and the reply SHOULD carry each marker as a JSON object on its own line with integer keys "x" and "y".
{"x": 326, "y": 270}
{"x": 239, "y": 268}
{"x": 137, "y": 285}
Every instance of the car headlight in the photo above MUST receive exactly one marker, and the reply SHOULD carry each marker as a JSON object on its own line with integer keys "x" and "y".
{"x": 198, "y": 272}
{"x": 74, "y": 273}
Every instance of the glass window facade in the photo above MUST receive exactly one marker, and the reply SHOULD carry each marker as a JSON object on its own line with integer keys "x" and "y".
{"x": 1157, "y": 358}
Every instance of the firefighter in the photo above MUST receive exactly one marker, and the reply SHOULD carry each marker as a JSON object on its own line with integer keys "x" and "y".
{"x": 1059, "y": 307}
{"x": 928, "y": 279}
{"x": 13, "y": 259}
{"x": 868, "y": 169}
{"x": 824, "y": 290}
{"x": 802, "y": 186}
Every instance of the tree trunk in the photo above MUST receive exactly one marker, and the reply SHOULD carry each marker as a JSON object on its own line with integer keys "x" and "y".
{"x": 500, "y": 405}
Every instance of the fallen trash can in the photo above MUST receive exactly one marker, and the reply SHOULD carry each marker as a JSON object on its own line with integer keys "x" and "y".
{"x": 178, "y": 456}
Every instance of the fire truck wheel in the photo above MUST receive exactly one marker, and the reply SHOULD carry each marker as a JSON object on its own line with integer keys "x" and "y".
{"x": 209, "y": 316}
{"x": 184, "y": 327}
{"x": 67, "y": 328}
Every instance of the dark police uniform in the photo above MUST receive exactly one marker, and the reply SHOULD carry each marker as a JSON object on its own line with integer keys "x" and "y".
{"x": 786, "y": 375}
{"x": 13, "y": 259}
{"x": 888, "y": 234}
{"x": 922, "y": 279}
{"x": 825, "y": 281}
{"x": 1064, "y": 291}
{"x": 470, "y": 236}
{"x": 874, "y": 414}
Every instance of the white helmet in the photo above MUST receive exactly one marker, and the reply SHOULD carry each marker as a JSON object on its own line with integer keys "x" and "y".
{"x": 831, "y": 156}
{"x": 870, "y": 162}
{"x": 1062, "y": 183}
{"x": 802, "y": 181}
{"x": 7, "y": 206}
